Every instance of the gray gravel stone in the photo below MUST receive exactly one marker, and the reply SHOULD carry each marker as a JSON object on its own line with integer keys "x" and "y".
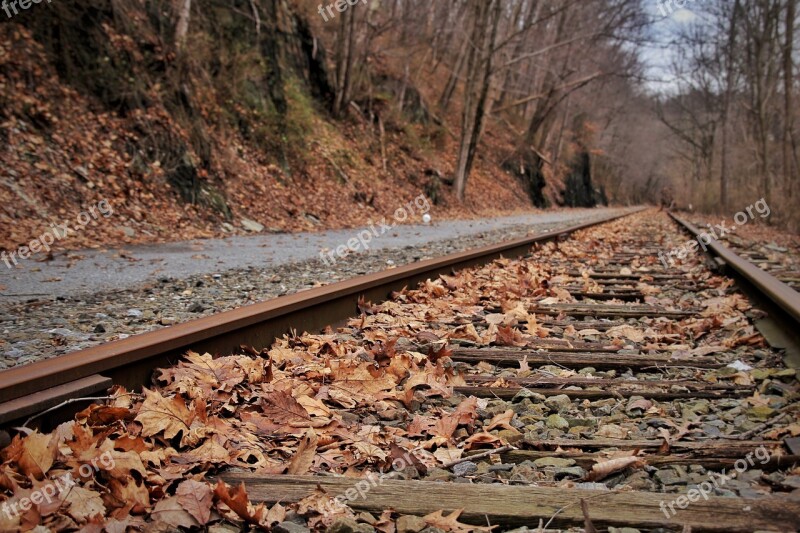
{"x": 466, "y": 468}
{"x": 558, "y": 403}
{"x": 573, "y": 472}
{"x": 559, "y": 462}
{"x": 557, "y": 422}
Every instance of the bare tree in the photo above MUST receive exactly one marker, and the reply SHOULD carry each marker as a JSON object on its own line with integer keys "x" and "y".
{"x": 184, "y": 8}
{"x": 478, "y": 82}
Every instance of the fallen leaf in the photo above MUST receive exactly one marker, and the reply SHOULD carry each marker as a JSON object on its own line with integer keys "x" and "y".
{"x": 629, "y": 332}
{"x": 170, "y": 511}
{"x": 38, "y": 452}
{"x": 604, "y": 469}
{"x": 304, "y": 456}
{"x": 451, "y": 523}
{"x": 158, "y": 414}
{"x": 196, "y": 498}
{"x": 83, "y": 503}
{"x": 237, "y": 502}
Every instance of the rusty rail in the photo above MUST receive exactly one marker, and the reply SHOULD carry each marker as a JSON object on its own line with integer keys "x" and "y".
{"x": 129, "y": 362}
{"x": 777, "y": 291}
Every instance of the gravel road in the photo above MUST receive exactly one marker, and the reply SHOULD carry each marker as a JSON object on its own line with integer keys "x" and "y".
{"x": 85, "y": 298}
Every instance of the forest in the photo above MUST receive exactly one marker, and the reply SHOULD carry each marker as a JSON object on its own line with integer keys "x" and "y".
{"x": 201, "y": 117}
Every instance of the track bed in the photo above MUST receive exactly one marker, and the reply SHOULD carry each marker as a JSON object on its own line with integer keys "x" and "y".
{"x": 583, "y": 387}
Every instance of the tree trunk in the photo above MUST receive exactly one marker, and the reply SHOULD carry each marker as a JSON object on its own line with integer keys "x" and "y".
{"x": 182, "y": 27}
{"x": 487, "y": 13}
{"x": 513, "y": 74}
{"x": 271, "y": 49}
{"x": 344, "y": 61}
{"x": 788, "y": 89}
{"x": 452, "y": 80}
{"x": 726, "y": 105}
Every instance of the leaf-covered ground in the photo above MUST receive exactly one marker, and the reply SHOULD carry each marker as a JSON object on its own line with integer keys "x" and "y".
{"x": 352, "y": 401}
{"x": 63, "y": 152}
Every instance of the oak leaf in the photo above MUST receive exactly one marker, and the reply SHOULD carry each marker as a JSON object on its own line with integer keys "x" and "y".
{"x": 131, "y": 493}
{"x": 466, "y": 412}
{"x": 501, "y": 420}
{"x": 282, "y": 407}
{"x": 211, "y": 452}
{"x": 275, "y": 515}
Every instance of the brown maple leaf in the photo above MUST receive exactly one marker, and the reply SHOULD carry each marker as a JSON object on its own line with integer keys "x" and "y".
{"x": 501, "y": 420}
{"x": 130, "y": 494}
{"x": 467, "y": 411}
{"x": 83, "y": 503}
{"x": 382, "y": 353}
{"x": 158, "y": 414}
{"x": 445, "y": 427}
{"x": 103, "y": 415}
{"x": 436, "y": 355}
{"x": 170, "y": 511}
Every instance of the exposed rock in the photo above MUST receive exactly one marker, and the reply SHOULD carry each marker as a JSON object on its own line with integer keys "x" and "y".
{"x": 252, "y": 225}
{"x": 573, "y": 472}
{"x": 525, "y": 393}
{"x": 437, "y": 474}
{"x": 511, "y": 436}
{"x": 347, "y": 525}
{"x": 670, "y": 477}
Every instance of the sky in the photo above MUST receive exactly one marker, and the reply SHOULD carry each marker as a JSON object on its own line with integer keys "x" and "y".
{"x": 657, "y": 56}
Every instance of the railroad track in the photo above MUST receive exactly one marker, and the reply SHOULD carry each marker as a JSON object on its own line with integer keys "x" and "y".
{"x": 581, "y": 387}
{"x": 778, "y": 261}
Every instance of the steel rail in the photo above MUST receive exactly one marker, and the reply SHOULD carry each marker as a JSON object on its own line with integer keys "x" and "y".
{"x": 130, "y": 362}
{"x": 777, "y": 291}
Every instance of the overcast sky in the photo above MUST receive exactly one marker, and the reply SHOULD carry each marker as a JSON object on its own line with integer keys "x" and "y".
{"x": 659, "y": 54}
